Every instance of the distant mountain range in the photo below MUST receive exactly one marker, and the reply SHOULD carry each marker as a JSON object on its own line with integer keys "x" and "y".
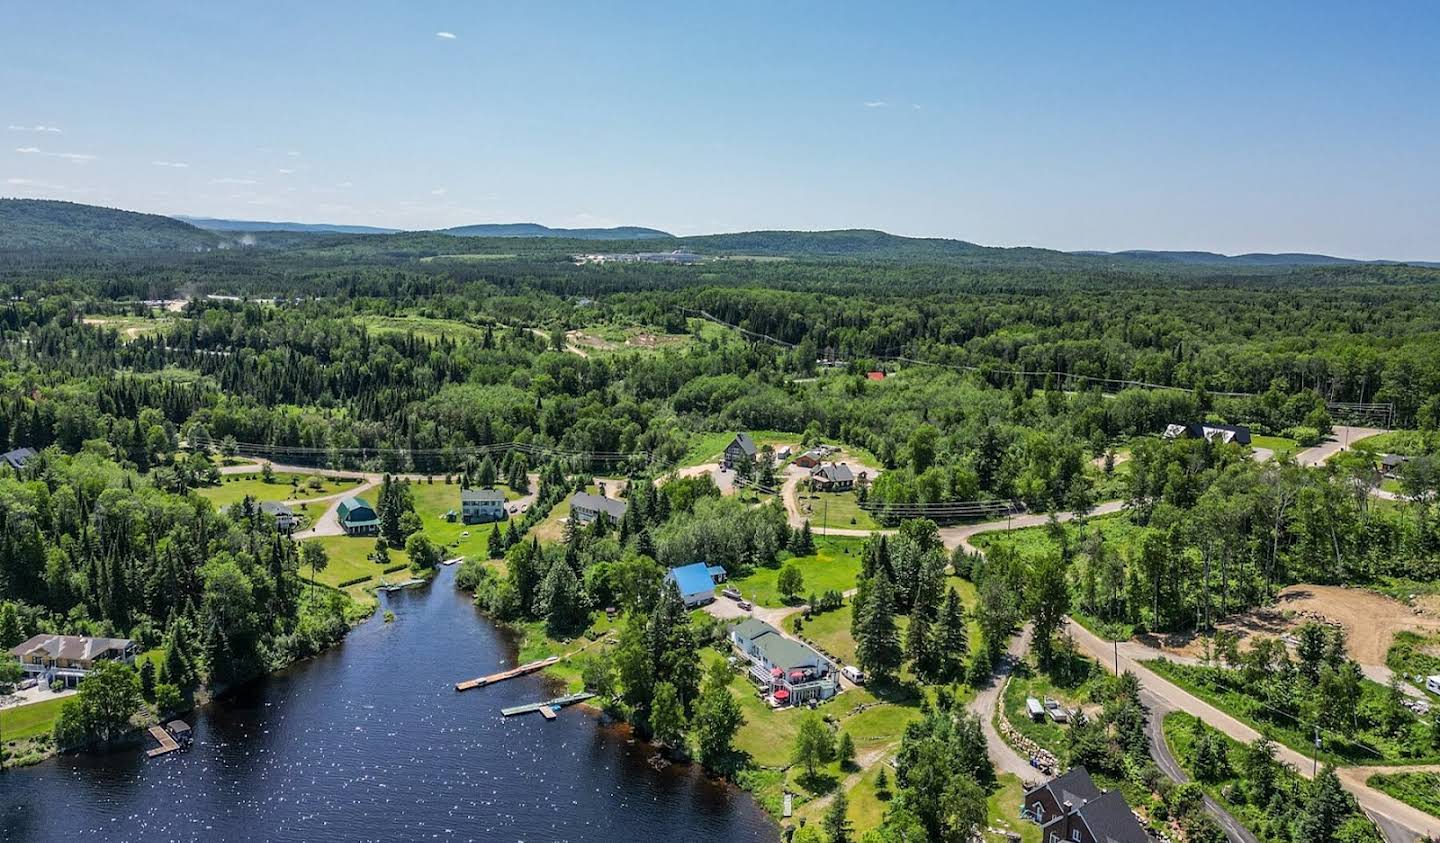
{"x": 211, "y": 224}
{"x": 48, "y": 225}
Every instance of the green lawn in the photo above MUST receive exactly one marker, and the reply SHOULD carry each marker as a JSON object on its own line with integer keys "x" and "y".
{"x": 834, "y": 566}
{"x": 1407, "y": 442}
{"x": 1120, "y": 533}
{"x": 1004, "y": 812}
{"x": 1029, "y": 682}
{"x": 348, "y": 561}
{"x": 433, "y": 500}
{"x": 1282, "y": 446}
{"x": 421, "y": 326}
{"x": 831, "y": 631}
{"x": 835, "y": 510}
{"x": 30, "y": 721}
{"x": 234, "y": 487}
{"x": 1420, "y": 790}
{"x": 708, "y": 447}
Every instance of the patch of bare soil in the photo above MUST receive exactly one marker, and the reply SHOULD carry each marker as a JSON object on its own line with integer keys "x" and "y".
{"x": 1370, "y": 620}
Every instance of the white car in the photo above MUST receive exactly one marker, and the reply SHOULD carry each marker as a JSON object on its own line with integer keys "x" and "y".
{"x": 854, "y": 674}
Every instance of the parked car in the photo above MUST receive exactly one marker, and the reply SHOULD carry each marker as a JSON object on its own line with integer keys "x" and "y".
{"x": 746, "y": 605}
{"x": 732, "y": 593}
{"x": 854, "y": 674}
{"x": 26, "y": 684}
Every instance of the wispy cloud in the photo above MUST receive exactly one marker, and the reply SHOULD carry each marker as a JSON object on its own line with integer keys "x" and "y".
{"x": 439, "y": 191}
{"x": 54, "y": 130}
{"x": 33, "y": 186}
{"x": 231, "y": 180}
{"x": 285, "y": 171}
{"x": 876, "y": 104}
{"x": 293, "y": 153}
{"x": 178, "y": 165}
{"x": 77, "y": 157}
{"x": 916, "y": 106}
{"x": 345, "y": 185}
{"x": 446, "y": 36}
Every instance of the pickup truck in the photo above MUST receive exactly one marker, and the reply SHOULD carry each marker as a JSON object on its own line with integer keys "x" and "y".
{"x": 732, "y": 593}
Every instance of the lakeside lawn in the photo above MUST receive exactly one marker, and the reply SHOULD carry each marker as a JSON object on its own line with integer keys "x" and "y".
{"x": 348, "y": 562}
{"x": 27, "y": 722}
{"x": 1418, "y": 790}
{"x": 234, "y": 487}
{"x": 552, "y": 529}
{"x": 433, "y": 500}
{"x": 1365, "y": 747}
{"x": 834, "y": 566}
{"x": 835, "y": 510}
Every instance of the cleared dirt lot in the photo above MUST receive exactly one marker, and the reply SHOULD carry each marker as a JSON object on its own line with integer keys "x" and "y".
{"x": 1370, "y": 620}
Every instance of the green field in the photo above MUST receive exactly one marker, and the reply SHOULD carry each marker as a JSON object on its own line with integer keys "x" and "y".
{"x": 424, "y": 327}
{"x": 834, "y": 566}
{"x": 432, "y": 501}
{"x": 234, "y": 487}
{"x": 348, "y": 561}
{"x": 130, "y": 327}
{"x": 1407, "y": 442}
{"x": 1279, "y": 444}
{"x": 30, "y": 721}
{"x": 839, "y": 510}
{"x": 1120, "y": 533}
{"x": 1004, "y": 805}
{"x": 708, "y": 447}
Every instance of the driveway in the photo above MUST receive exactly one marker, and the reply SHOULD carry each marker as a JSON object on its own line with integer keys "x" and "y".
{"x": 1340, "y": 440}
{"x": 39, "y": 693}
{"x": 1002, "y": 755}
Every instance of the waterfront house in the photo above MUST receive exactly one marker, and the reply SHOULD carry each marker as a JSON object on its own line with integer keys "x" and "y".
{"x": 17, "y": 458}
{"x": 834, "y": 477}
{"x": 481, "y": 506}
{"x": 70, "y": 658}
{"x": 696, "y": 582}
{"x": 283, "y": 515}
{"x": 741, "y": 448}
{"x": 787, "y": 671}
{"x": 1071, "y": 809}
{"x": 585, "y": 507}
{"x": 357, "y": 517}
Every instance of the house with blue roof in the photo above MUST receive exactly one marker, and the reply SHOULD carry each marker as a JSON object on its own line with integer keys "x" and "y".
{"x": 696, "y": 582}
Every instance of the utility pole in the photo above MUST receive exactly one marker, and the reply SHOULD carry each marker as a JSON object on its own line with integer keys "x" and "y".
{"x": 1116, "y": 642}
{"x": 1315, "y": 768}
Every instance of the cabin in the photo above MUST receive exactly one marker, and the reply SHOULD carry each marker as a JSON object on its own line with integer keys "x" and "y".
{"x": 357, "y": 517}
{"x": 282, "y": 515}
{"x": 696, "y": 582}
{"x": 1392, "y": 464}
{"x": 585, "y": 507}
{"x": 740, "y": 449}
{"x": 17, "y": 458}
{"x": 1071, "y": 809}
{"x": 70, "y": 658}
{"x": 835, "y": 477}
{"x": 180, "y": 731}
{"x": 1226, "y": 434}
{"x": 481, "y": 506}
{"x": 787, "y": 671}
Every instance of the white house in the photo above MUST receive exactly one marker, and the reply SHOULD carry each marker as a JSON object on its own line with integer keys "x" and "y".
{"x": 69, "y": 658}
{"x": 585, "y": 507}
{"x": 789, "y": 672}
{"x": 480, "y": 506}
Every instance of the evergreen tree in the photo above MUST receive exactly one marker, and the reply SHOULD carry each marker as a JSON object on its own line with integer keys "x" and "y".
{"x": 837, "y": 826}
{"x": 667, "y": 716}
{"x": 561, "y": 601}
{"x": 495, "y": 546}
{"x": 717, "y": 717}
{"x": 878, "y": 642}
{"x": 952, "y": 636}
{"x": 485, "y": 475}
{"x": 1326, "y": 807}
{"x": 147, "y": 680}
{"x": 803, "y": 542}
{"x": 845, "y": 750}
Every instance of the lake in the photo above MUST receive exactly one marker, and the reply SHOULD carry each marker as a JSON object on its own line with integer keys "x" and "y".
{"x": 371, "y": 742}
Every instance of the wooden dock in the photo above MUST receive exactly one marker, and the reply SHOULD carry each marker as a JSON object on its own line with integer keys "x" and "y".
{"x": 167, "y": 743}
{"x": 506, "y": 674}
{"x": 547, "y": 708}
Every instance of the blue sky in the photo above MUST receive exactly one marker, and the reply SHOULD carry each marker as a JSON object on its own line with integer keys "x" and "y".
{"x": 1228, "y": 127}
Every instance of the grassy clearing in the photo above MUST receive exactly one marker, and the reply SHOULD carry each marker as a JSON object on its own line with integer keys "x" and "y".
{"x": 1072, "y": 691}
{"x": 348, "y": 561}
{"x": 835, "y": 565}
{"x": 1004, "y": 812}
{"x": 1407, "y": 442}
{"x": 466, "y": 258}
{"x": 432, "y": 501}
{"x": 26, "y": 722}
{"x": 285, "y": 486}
{"x": 130, "y": 327}
{"x": 835, "y": 510}
{"x": 1120, "y": 533}
{"x": 1418, "y": 790}
{"x": 421, "y": 326}
{"x": 1282, "y": 446}
{"x": 708, "y": 447}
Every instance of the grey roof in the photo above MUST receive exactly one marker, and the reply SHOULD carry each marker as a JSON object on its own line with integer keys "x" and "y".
{"x": 17, "y": 457}
{"x": 599, "y": 503}
{"x": 781, "y": 651}
{"x": 275, "y": 508}
{"x": 69, "y": 646}
{"x": 482, "y": 496}
{"x": 752, "y": 628}
{"x": 1394, "y": 460}
{"x": 1109, "y": 819}
{"x": 745, "y": 442}
{"x": 1075, "y": 787}
{"x": 835, "y": 472}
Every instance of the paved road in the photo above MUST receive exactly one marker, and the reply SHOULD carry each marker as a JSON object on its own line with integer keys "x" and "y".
{"x": 1404, "y": 818}
{"x": 1166, "y": 761}
{"x": 1002, "y": 755}
{"x": 1340, "y": 440}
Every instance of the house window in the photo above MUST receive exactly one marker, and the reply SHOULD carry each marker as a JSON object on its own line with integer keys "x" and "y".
{"x": 1075, "y": 835}
{"x": 1054, "y": 838}
{"x": 1040, "y": 813}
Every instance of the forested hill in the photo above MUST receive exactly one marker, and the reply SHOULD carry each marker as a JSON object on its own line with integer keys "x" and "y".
{"x": 44, "y": 224}
{"x": 531, "y": 229}
{"x": 212, "y": 224}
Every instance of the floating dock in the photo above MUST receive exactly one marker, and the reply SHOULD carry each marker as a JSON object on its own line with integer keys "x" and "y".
{"x": 506, "y": 674}
{"x": 167, "y": 743}
{"x": 547, "y": 708}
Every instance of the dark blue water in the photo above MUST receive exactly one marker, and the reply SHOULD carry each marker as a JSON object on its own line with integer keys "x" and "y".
{"x": 371, "y": 742}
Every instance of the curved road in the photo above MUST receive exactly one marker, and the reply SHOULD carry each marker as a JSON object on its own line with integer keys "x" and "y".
{"x": 1165, "y": 760}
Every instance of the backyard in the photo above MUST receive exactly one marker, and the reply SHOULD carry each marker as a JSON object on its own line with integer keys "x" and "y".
{"x": 283, "y": 486}
{"x": 834, "y": 566}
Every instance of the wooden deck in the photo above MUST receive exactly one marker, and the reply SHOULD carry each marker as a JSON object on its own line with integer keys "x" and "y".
{"x": 506, "y": 674}
{"x": 167, "y": 743}
{"x": 547, "y": 708}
